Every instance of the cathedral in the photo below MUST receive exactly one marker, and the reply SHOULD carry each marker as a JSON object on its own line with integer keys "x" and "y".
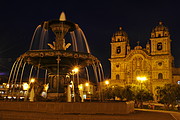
{"x": 154, "y": 62}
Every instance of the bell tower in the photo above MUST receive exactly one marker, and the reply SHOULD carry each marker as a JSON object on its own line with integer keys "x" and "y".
{"x": 120, "y": 44}
{"x": 160, "y": 40}
{"x": 119, "y": 49}
{"x": 162, "y": 59}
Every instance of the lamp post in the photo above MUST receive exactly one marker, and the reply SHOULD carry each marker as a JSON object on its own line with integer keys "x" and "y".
{"x": 74, "y": 71}
{"x": 141, "y": 79}
{"x": 32, "y": 80}
{"x": 106, "y": 82}
{"x": 81, "y": 89}
{"x": 86, "y": 84}
{"x": 88, "y": 87}
{"x": 25, "y": 88}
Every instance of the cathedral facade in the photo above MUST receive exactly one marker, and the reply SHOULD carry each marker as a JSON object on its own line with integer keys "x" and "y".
{"x": 154, "y": 62}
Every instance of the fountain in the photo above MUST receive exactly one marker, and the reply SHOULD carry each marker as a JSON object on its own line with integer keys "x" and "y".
{"x": 55, "y": 62}
{"x": 58, "y": 68}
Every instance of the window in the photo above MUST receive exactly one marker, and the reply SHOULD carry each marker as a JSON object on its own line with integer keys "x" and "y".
{"x": 117, "y": 77}
{"x": 160, "y": 63}
{"x": 117, "y": 66}
{"x": 159, "y": 46}
{"x": 159, "y": 35}
{"x": 160, "y": 76}
{"x": 118, "y": 49}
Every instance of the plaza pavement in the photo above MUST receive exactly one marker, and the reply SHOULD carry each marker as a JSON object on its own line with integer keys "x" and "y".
{"x": 139, "y": 114}
{"x": 175, "y": 115}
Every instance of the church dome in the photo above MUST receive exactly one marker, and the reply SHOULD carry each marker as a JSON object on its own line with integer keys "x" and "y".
{"x": 160, "y": 31}
{"x": 120, "y": 36}
{"x": 138, "y": 47}
{"x": 121, "y": 32}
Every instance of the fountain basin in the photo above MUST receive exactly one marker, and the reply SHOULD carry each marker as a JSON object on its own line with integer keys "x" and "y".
{"x": 48, "y": 59}
{"x": 68, "y": 108}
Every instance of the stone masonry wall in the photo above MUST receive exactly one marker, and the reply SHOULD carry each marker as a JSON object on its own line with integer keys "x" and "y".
{"x": 60, "y": 111}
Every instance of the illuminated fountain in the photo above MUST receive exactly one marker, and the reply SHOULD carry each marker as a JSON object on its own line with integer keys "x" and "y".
{"x": 55, "y": 60}
{"x": 62, "y": 69}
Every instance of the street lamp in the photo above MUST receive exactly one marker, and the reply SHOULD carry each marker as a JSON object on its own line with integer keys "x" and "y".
{"x": 87, "y": 84}
{"x": 25, "y": 86}
{"x": 81, "y": 89}
{"x": 141, "y": 79}
{"x": 32, "y": 80}
{"x": 74, "y": 71}
{"x": 106, "y": 82}
{"x": 88, "y": 87}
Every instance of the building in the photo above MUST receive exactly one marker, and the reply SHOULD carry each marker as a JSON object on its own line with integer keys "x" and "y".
{"x": 155, "y": 62}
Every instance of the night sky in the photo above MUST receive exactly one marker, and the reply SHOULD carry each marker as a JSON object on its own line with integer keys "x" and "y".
{"x": 98, "y": 19}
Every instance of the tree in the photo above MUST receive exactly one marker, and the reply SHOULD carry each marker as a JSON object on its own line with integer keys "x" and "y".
{"x": 168, "y": 94}
{"x": 107, "y": 93}
{"x": 118, "y": 92}
{"x": 140, "y": 94}
{"x": 128, "y": 93}
{"x": 143, "y": 96}
{"x": 112, "y": 92}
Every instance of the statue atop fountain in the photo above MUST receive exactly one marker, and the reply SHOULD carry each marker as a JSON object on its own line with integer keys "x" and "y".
{"x": 60, "y": 28}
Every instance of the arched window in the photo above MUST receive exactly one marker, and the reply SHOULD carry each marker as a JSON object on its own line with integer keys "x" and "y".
{"x": 117, "y": 77}
{"x": 118, "y": 49}
{"x": 160, "y": 76}
{"x": 159, "y": 35}
{"x": 159, "y": 46}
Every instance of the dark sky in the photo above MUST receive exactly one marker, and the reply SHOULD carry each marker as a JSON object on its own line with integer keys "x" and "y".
{"x": 98, "y": 19}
